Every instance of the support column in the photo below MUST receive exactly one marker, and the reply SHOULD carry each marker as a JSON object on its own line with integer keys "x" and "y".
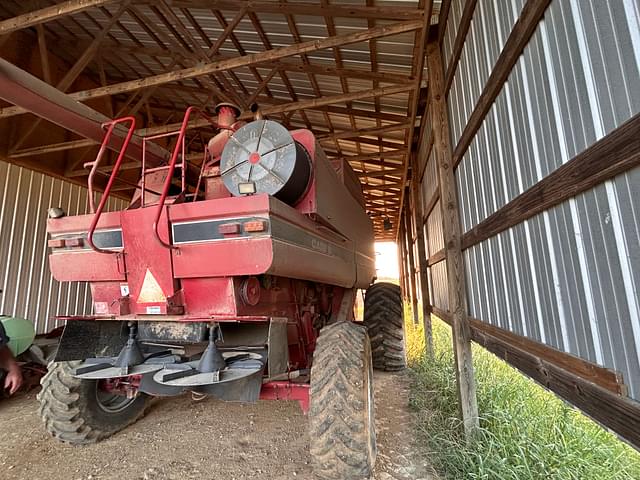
{"x": 452, "y": 239}
{"x": 401, "y": 260}
{"x": 416, "y": 199}
{"x": 412, "y": 265}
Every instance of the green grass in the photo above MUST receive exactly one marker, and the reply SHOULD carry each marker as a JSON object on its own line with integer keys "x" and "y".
{"x": 525, "y": 432}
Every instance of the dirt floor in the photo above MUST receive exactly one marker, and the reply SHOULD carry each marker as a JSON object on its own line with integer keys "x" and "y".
{"x": 182, "y": 439}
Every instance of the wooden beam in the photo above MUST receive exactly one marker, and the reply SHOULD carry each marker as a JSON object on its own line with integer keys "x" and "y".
{"x": 363, "y": 132}
{"x": 50, "y": 13}
{"x": 360, "y": 141}
{"x": 437, "y": 257}
{"x": 262, "y": 86}
{"x": 53, "y": 147}
{"x": 293, "y": 106}
{"x": 411, "y": 270}
{"x": 44, "y": 54}
{"x": 72, "y": 74}
{"x": 415, "y": 200}
{"x": 443, "y": 16}
{"x": 306, "y": 104}
{"x": 431, "y": 203}
{"x": 248, "y": 60}
{"x": 213, "y": 50}
{"x": 527, "y": 23}
{"x": 452, "y": 238}
{"x": 591, "y": 372}
{"x": 402, "y": 261}
{"x": 389, "y": 117}
{"x": 461, "y": 35}
{"x": 333, "y": 71}
{"x": 285, "y": 65}
{"x": 417, "y": 69}
{"x": 614, "y": 154}
{"x": 376, "y": 155}
{"x": 298, "y": 8}
{"x": 377, "y": 163}
{"x": 392, "y": 172}
{"x": 390, "y": 186}
{"x": 614, "y": 411}
{"x": 589, "y": 387}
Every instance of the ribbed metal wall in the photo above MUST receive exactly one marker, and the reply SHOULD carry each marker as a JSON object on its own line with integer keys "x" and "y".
{"x": 569, "y": 277}
{"x": 29, "y": 291}
{"x": 451, "y": 30}
{"x": 490, "y": 27}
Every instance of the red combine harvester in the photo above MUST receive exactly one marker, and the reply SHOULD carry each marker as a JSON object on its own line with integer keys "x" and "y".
{"x": 240, "y": 288}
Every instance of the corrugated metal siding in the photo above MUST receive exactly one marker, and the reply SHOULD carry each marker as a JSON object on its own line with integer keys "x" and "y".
{"x": 490, "y": 27}
{"x": 29, "y": 291}
{"x": 429, "y": 182}
{"x": 434, "y": 230}
{"x": 569, "y": 277}
{"x": 439, "y": 295}
{"x": 451, "y": 30}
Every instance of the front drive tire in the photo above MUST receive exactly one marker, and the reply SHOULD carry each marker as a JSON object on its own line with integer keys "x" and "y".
{"x": 78, "y": 412}
{"x": 383, "y": 317}
{"x": 341, "y": 414}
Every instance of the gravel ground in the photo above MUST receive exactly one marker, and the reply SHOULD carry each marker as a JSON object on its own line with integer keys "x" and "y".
{"x": 179, "y": 438}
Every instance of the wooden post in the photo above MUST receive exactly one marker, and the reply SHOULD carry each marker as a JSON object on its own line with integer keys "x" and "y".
{"x": 401, "y": 261}
{"x": 416, "y": 200}
{"x": 412, "y": 266}
{"x": 452, "y": 238}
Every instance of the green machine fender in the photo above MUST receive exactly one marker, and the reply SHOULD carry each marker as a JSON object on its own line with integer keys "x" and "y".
{"x": 20, "y": 332}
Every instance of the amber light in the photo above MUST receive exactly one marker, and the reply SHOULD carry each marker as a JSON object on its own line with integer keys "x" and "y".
{"x": 56, "y": 243}
{"x": 255, "y": 226}
{"x": 229, "y": 228}
{"x": 74, "y": 242}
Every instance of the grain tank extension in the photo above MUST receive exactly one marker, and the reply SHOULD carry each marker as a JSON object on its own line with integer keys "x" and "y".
{"x": 235, "y": 279}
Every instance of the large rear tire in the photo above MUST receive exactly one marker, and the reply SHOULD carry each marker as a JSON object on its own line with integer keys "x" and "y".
{"x": 78, "y": 411}
{"x": 341, "y": 414}
{"x": 383, "y": 317}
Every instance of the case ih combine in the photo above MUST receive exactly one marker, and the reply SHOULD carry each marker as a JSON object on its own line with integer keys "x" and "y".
{"x": 240, "y": 288}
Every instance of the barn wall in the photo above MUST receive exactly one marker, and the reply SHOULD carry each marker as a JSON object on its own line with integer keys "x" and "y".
{"x": 562, "y": 283}
{"x": 569, "y": 277}
{"x": 29, "y": 291}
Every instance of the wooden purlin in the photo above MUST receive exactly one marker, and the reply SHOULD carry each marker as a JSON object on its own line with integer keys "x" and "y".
{"x": 418, "y": 66}
{"x": 120, "y": 58}
{"x": 49, "y": 13}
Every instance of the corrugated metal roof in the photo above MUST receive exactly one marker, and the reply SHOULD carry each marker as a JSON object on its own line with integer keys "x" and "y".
{"x": 146, "y": 41}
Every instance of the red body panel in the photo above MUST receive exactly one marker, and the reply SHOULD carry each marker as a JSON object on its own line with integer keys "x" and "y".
{"x": 87, "y": 265}
{"x": 148, "y": 262}
{"x": 291, "y": 261}
{"x": 226, "y": 257}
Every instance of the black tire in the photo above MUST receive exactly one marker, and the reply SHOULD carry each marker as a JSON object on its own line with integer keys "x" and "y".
{"x": 384, "y": 319}
{"x": 341, "y": 418}
{"x": 75, "y": 411}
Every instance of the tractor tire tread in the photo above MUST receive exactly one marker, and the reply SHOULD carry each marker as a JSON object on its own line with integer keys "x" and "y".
{"x": 384, "y": 319}
{"x": 342, "y": 443}
{"x": 70, "y": 414}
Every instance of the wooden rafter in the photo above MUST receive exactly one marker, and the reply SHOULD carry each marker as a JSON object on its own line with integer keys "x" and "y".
{"x": 50, "y": 13}
{"x": 419, "y": 55}
{"x": 177, "y": 62}
{"x": 366, "y": 131}
{"x": 299, "y": 8}
{"x": 228, "y": 64}
{"x": 73, "y": 73}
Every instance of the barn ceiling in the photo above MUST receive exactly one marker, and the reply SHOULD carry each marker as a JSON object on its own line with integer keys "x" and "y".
{"x": 351, "y": 72}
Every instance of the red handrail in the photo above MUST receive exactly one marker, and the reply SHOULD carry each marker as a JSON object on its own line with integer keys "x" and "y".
{"x": 114, "y": 173}
{"x": 172, "y": 165}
